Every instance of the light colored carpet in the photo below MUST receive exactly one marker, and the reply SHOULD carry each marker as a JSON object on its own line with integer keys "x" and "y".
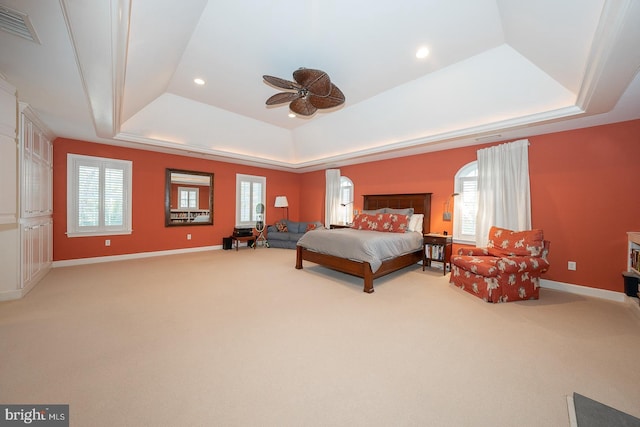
{"x": 226, "y": 338}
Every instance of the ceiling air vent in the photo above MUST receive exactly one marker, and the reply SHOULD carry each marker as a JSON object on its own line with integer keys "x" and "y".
{"x": 17, "y": 23}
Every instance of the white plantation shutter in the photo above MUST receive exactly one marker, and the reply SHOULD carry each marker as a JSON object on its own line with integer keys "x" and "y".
{"x": 256, "y": 197}
{"x": 469, "y": 201}
{"x": 88, "y": 196}
{"x": 245, "y": 202}
{"x": 346, "y": 200}
{"x": 113, "y": 196}
{"x": 250, "y": 191}
{"x": 98, "y": 196}
{"x": 466, "y": 204}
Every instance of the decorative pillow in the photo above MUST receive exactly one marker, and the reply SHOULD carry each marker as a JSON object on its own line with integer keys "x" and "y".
{"x": 361, "y": 221}
{"x": 395, "y": 223}
{"x": 403, "y": 211}
{"x": 311, "y": 226}
{"x": 503, "y": 242}
{"x": 282, "y": 227}
{"x": 415, "y": 222}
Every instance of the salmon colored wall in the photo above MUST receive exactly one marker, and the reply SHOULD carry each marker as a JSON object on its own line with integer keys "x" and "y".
{"x": 584, "y": 195}
{"x": 149, "y": 232}
{"x": 584, "y": 191}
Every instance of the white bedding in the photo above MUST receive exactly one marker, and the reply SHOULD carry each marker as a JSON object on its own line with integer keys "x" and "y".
{"x": 373, "y": 247}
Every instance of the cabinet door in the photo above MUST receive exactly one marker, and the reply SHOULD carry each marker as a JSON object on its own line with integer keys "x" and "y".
{"x": 36, "y": 186}
{"x": 26, "y": 156}
{"x": 37, "y": 250}
{"x": 46, "y": 176}
{"x": 8, "y": 154}
{"x": 26, "y": 262}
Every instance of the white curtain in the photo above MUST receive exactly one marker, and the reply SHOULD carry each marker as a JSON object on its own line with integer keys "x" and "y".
{"x": 504, "y": 198}
{"x": 332, "y": 200}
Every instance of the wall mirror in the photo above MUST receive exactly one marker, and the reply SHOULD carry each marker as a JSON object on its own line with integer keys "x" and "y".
{"x": 188, "y": 198}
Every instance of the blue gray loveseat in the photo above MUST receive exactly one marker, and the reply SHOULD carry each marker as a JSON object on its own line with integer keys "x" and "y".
{"x": 278, "y": 238}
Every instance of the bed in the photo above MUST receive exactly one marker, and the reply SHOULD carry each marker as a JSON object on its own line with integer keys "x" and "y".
{"x": 420, "y": 202}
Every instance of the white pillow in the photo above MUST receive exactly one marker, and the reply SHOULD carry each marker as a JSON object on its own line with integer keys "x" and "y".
{"x": 415, "y": 222}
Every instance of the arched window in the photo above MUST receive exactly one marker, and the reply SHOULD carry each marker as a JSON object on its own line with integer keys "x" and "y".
{"x": 466, "y": 204}
{"x": 346, "y": 200}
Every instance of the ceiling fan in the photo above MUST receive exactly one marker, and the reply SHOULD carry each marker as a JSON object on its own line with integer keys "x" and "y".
{"x": 312, "y": 90}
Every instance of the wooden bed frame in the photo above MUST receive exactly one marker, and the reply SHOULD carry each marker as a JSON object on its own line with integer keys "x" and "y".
{"x": 421, "y": 204}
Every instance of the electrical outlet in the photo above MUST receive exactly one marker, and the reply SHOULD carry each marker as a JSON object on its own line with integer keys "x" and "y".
{"x": 571, "y": 266}
{"x": 107, "y": 242}
{"x": 188, "y": 236}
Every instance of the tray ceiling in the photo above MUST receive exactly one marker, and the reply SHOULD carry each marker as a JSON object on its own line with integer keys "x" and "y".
{"x": 122, "y": 72}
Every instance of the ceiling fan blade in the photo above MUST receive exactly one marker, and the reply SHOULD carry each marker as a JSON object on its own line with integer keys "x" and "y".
{"x": 281, "y": 83}
{"x": 315, "y": 81}
{"x": 302, "y": 107}
{"x": 282, "y": 97}
{"x": 335, "y": 98}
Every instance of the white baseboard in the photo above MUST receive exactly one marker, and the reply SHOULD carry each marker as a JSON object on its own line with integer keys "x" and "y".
{"x": 583, "y": 290}
{"x": 10, "y": 295}
{"x": 632, "y": 303}
{"x": 20, "y": 293}
{"x": 95, "y": 260}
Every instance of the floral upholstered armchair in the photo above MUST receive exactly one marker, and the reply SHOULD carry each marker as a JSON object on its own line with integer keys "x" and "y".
{"x": 508, "y": 269}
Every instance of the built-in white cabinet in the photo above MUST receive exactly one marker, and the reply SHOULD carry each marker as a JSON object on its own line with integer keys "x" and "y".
{"x": 26, "y": 205}
{"x": 8, "y": 153}
{"x": 37, "y": 250}
{"x": 36, "y": 197}
{"x": 36, "y": 161}
{"x": 36, "y": 166}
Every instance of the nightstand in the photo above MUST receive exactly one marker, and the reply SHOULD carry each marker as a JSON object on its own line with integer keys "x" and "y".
{"x": 437, "y": 247}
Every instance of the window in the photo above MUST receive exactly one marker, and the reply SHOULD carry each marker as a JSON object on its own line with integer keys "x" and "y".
{"x": 98, "y": 196}
{"x": 250, "y": 190}
{"x": 188, "y": 198}
{"x": 466, "y": 203}
{"x": 346, "y": 200}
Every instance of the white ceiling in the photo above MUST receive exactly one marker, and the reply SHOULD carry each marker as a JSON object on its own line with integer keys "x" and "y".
{"x": 121, "y": 72}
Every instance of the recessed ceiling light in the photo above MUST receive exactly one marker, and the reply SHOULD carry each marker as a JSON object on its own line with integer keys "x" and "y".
{"x": 292, "y": 115}
{"x": 422, "y": 53}
{"x": 198, "y": 81}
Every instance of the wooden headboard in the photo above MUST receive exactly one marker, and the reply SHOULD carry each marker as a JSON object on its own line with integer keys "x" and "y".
{"x": 420, "y": 202}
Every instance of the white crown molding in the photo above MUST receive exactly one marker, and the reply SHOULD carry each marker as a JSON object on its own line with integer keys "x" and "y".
{"x": 600, "y": 89}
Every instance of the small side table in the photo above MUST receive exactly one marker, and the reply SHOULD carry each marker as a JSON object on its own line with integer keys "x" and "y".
{"x": 436, "y": 247}
{"x": 236, "y": 239}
